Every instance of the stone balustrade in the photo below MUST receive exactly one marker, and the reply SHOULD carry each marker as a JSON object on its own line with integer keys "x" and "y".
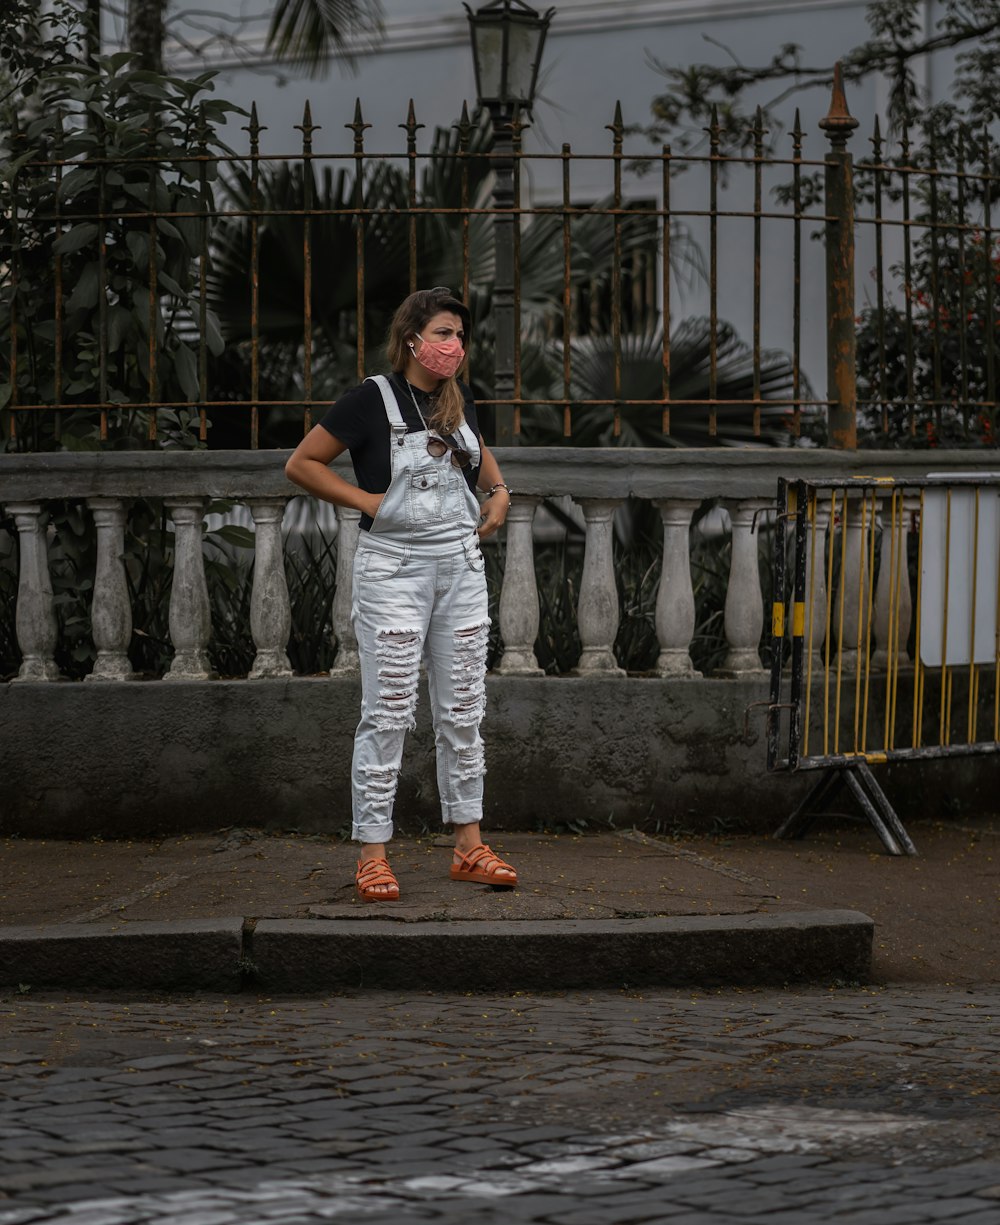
{"x": 599, "y": 481}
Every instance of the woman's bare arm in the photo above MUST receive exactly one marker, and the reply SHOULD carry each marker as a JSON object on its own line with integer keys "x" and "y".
{"x": 494, "y": 508}
{"x": 309, "y": 467}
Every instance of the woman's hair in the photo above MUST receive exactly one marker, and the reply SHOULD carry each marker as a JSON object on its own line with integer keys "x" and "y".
{"x": 411, "y": 317}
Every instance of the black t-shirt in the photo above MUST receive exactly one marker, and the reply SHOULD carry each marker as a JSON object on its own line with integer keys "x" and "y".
{"x": 358, "y": 420}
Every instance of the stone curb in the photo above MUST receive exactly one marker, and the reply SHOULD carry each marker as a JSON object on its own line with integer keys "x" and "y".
{"x": 721, "y": 950}
{"x": 182, "y": 955}
{"x": 315, "y": 955}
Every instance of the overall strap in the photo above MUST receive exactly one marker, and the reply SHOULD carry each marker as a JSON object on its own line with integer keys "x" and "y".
{"x": 396, "y": 422}
{"x": 464, "y": 432}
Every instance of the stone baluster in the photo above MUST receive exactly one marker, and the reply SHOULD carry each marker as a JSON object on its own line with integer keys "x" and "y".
{"x": 854, "y": 580}
{"x": 816, "y": 595}
{"x": 110, "y": 612}
{"x": 744, "y": 613}
{"x": 190, "y": 617}
{"x": 519, "y": 595}
{"x": 892, "y": 587}
{"x": 270, "y": 610}
{"x": 675, "y": 598}
{"x": 597, "y": 613}
{"x": 344, "y": 638}
{"x": 35, "y": 618}
{"x": 900, "y": 596}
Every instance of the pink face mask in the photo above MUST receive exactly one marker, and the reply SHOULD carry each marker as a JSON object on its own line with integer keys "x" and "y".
{"x": 440, "y": 357}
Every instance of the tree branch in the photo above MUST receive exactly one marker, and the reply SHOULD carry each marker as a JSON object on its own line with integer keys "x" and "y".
{"x": 898, "y": 40}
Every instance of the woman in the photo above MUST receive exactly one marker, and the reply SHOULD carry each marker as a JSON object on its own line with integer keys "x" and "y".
{"x": 419, "y": 587}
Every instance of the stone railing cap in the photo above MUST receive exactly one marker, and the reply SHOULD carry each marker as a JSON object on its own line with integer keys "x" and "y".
{"x": 581, "y": 472}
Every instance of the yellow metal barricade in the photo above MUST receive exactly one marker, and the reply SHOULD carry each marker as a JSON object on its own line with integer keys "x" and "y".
{"x": 886, "y": 633}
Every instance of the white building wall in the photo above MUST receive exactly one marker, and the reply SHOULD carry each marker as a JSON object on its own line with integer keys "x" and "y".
{"x": 595, "y": 54}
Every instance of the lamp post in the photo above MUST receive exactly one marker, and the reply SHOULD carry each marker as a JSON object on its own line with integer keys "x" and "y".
{"x": 507, "y": 41}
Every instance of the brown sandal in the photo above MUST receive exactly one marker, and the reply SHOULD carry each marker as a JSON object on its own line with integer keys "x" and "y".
{"x": 371, "y": 874}
{"x": 482, "y": 866}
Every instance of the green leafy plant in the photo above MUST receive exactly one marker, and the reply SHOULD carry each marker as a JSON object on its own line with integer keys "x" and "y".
{"x": 82, "y": 300}
{"x": 935, "y": 342}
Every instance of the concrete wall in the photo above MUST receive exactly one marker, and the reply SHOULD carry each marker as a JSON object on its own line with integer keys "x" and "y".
{"x": 141, "y": 758}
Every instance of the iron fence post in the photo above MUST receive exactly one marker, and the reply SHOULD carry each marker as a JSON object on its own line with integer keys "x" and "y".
{"x": 503, "y": 287}
{"x": 840, "y": 361}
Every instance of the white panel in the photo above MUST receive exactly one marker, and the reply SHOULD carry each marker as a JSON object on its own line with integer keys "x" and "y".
{"x": 961, "y": 581}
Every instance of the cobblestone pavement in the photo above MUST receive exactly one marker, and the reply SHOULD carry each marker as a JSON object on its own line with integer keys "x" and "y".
{"x": 845, "y": 1105}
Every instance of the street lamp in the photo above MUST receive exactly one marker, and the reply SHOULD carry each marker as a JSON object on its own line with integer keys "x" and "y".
{"x": 507, "y": 41}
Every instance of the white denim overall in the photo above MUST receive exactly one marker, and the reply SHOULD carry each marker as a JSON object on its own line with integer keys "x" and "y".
{"x": 419, "y": 591}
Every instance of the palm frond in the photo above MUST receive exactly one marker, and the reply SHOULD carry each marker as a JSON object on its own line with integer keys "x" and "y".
{"x": 308, "y": 33}
{"x": 333, "y": 245}
{"x": 593, "y": 378}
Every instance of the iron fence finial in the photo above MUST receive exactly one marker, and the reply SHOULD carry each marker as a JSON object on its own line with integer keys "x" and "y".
{"x": 358, "y": 127}
{"x": 875, "y": 140}
{"x": 254, "y": 128}
{"x": 464, "y": 126}
{"x": 838, "y": 122}
{"x": 307, "y": 127}
{"x": 411, "y": 128}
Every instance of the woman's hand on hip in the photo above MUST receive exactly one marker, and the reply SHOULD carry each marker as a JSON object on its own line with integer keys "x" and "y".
{"x": 494, "y": 512}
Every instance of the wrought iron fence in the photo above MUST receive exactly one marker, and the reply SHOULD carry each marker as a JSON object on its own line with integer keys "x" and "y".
{"x": 658, "y": 297}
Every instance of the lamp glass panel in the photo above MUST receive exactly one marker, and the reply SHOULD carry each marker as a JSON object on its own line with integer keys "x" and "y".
{"x": 524, "y": 40}
{"x": 489, "y": 55}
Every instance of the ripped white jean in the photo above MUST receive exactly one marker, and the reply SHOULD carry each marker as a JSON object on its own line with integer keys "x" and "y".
{"x": 404, "y": 609}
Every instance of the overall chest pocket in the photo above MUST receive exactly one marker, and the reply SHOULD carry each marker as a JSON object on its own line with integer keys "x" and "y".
{"x": 423, "y": 493}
